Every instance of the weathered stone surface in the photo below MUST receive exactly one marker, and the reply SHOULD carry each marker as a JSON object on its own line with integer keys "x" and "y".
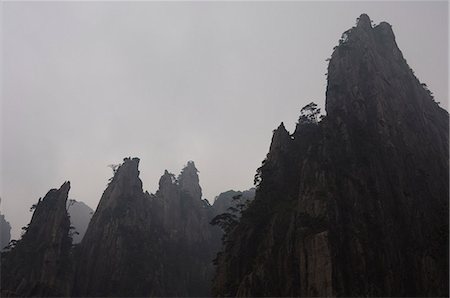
{"x": 357, "y": 204}
{"x": 40, "y": 263}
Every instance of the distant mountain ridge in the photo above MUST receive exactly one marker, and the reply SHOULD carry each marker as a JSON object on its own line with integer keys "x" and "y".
{"x": 80, "y": 216}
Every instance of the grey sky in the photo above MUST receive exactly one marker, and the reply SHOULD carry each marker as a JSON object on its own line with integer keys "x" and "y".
{"x": 85, "y": 84}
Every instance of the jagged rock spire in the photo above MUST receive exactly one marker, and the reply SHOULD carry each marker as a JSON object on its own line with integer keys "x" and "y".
{"x": 128, "y": 174}
{"x": 40, "y": 264}
{"x": 364, "y": 22}
{"x": 167, "y": 180}
{"x": 109, "y": 249}
{"x": 147, "y": 245}
{"x": 123, "y": 186}
{"x": 168, "y": 188}
{"x": 189, "y": 181}
{"x": 356, "y": 205}
{"x": 280, "y": 139}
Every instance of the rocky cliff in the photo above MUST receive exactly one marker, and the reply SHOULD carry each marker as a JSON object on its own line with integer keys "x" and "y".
{"x": 40, "y": 263}
{"x": 136, "y": 244}
{"x": 139, "y": 244}
{"x": 119, "y": 254}
{"x": 193, "y": 242}
{"x": 355, "y": 204}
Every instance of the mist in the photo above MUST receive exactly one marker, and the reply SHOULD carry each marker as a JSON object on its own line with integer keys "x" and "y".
{"x": 85, "y": 84}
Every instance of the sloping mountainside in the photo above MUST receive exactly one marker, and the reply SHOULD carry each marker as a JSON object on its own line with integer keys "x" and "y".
{"x": 5, "y": 231}
{"x": 80, "y": 215}
{"x": 355, "y": 204}
{"x": 138, "y": 244}
{"x": 40, "y": 263}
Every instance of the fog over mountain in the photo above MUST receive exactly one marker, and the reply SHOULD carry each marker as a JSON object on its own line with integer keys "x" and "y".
{"x": 87, "y": 83}
{"x": 136, "y": 244}
{"x": 352, "y": 201}
{"x": 80, "y": 215}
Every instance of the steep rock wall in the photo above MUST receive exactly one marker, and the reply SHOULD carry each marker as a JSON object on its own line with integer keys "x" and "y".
{"x": 356, "y": 204}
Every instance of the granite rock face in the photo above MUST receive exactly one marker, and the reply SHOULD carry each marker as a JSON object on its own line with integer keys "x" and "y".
{"x": 114, "y": 250}
{"x": 40, "y": 263}
{"x": 356, "y": 204}
{"x": 192, "y": 241}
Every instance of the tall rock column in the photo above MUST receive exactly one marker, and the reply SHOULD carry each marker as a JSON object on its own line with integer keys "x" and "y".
{"x": 40, "y": 263}
{"x": 119, "y": 253}
{"x": 357, "y": 203}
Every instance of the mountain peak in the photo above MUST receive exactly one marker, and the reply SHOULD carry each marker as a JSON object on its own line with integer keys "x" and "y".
{"x": 364, "y": 22}
{"x": 364, "y": 71}
{"x": 131, "y": 162}
{"x": 189, "y": 181}
{"x": 125, "y": 184}
{"x": 280, "y": 138}
{"x": 47, "y": 237}
{"x": 281, "y": 127}
{"x": 191, "y": 166}
{"x": 128, "y": 170}
{"x": 65, "y": 187}
{"x": 333, "y": 194}
{"x": 167, "y": 180}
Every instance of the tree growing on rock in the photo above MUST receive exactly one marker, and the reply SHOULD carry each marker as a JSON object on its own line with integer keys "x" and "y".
{"x": 309, "y": 114}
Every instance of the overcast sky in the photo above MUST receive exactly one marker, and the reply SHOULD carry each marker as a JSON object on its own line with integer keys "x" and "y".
{"x": 85, "y": 84}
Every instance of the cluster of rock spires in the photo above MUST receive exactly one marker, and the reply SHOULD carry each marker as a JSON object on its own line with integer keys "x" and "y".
{"x": 356, "y": 204}
{"x": 353, "y": 205}
{"x": 140, "y": 244}
{"x": 136, "y": 244}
